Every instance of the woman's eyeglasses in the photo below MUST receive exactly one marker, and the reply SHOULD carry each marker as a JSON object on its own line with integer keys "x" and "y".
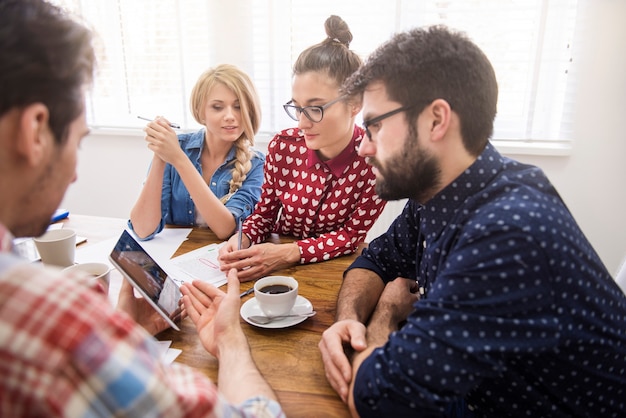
{"x": 313, "y": 113}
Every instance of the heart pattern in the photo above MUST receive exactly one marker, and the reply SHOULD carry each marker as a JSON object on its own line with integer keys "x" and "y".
{"x": 330, "y": 216}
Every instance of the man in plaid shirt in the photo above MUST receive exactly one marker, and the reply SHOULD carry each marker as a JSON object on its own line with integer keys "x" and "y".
{"x": 64, "y": 351}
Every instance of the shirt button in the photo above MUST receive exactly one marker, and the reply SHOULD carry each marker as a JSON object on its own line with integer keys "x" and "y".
{"x": 213, "y": 183}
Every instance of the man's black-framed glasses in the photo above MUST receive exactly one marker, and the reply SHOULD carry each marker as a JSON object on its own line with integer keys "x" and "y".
{"x": 313, "y": 113}
{"x": 368, "y": 123}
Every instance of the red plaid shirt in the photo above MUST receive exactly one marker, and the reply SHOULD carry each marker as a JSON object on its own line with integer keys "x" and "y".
{"x": 64, "y": 351}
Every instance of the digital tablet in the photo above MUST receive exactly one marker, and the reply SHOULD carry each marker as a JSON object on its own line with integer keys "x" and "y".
{"x": 150, "y": 280}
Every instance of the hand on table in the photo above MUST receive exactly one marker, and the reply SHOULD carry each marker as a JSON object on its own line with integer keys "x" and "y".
{"x": 337, "y": 365}
{"x": 258, "y": 260}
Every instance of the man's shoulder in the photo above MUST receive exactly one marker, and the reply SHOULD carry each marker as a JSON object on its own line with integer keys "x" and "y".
{"x": 49, "y": 307}
{"x": 8, "y": 260}
{"x": 521, "y": 186}
{"x": 35, "y": 302}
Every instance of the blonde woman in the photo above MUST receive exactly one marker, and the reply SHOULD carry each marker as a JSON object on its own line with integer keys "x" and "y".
{"x": 212, "y": 177}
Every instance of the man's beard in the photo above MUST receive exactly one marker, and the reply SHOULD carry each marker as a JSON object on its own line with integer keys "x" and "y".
{"x": 411, "y": 173}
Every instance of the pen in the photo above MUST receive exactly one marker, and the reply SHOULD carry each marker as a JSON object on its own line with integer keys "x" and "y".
{"x": 173, "y": 125}
{"x": 247, "y": 292}
{"x": 239, "y": 232}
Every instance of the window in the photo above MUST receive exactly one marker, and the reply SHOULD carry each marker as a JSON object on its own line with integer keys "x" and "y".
{"x": 152, "y": 51}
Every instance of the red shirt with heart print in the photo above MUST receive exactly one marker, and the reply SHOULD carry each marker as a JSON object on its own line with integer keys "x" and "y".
{"x": 328, "y": 205}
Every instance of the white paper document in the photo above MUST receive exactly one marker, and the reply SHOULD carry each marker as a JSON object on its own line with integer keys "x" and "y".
{"x": 165, "y": 243}
{"x": 199, "y": 264}
{"x": 167, "y": 354}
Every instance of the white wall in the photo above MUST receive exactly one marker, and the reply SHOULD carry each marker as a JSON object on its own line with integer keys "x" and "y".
{"x": 591, "y": 179}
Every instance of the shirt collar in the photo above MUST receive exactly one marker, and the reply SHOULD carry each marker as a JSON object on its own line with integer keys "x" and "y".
{"x": 438, "y": 212}
{"x": 338, "y": 164}
{"x": 196, "y": 141}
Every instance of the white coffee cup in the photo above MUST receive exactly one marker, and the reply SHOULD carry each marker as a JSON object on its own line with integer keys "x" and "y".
{"x": 276, "y": 295}
{"x": 57, "y": 247}
{"x": 97, "y": 271}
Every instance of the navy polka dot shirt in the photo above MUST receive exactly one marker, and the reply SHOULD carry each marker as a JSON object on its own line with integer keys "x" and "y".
{"x": 519, "y": 317}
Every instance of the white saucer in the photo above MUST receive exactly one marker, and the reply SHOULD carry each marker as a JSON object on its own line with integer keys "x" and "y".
{"x": 251, "y": 307}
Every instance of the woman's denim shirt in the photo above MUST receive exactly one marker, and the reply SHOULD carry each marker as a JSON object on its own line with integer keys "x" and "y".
{"x": 177, "y": 207}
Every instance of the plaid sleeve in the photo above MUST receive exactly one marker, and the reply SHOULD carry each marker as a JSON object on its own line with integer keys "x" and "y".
{"x": 71, "y": 354}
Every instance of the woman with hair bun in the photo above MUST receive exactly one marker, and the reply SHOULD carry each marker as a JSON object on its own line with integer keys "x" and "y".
{"x": 316, "y": 186}
{"x": 211, "y": 177}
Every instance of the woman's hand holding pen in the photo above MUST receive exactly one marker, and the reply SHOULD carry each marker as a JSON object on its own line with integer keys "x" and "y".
{"x": 258, "y": 260}
{"x": 235, "y": 243}
{"x": 163, "y": 141}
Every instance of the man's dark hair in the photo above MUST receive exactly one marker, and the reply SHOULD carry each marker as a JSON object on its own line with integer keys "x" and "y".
{"x": 421, "y": 65}
{"x": 45, "y": 57}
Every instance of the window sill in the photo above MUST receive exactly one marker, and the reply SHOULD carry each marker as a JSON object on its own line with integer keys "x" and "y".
{"x": 533, "y": 147}
{"x": 506, "y": 147}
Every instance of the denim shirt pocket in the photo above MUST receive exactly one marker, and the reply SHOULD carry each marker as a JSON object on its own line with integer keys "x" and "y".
{"x": 220, "y": 185}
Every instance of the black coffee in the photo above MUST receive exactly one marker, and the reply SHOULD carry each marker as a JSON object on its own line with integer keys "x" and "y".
{"x": 275, "y": 288}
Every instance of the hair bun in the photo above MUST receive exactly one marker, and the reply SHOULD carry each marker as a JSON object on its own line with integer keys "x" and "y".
{"x": 338, "y": 31}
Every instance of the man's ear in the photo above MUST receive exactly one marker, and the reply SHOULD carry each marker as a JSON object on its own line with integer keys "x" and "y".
{"x": 441, "y": 114}
{"x": 34, "y": 137}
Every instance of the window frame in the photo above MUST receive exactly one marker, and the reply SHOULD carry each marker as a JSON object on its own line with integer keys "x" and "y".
{"x": 274, "y": 74}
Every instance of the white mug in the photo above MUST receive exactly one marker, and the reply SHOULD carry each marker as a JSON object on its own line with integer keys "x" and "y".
{"x": 276, "y": 295}
{"x": 97, "y": 271}
{"x": 57, "y": 247}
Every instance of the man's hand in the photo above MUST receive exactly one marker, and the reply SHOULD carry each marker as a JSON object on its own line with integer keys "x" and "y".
{"x": 396, "y": 301}
{"x": 336, "y": 363}
{"x": 140, "y": 310}
{"x": 215, "y": 313}
{"x": 216, "y": 316}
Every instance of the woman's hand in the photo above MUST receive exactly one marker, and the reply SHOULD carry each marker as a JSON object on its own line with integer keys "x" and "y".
{"x": 259, "y": 260}
{"x": 233, "y": 244}
{"x": 163, "y": 141}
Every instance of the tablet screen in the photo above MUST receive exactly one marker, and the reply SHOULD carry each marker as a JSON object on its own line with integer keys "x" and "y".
{"x": 148, "y": 277}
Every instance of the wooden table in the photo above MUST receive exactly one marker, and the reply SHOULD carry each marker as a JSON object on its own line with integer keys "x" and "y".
{"x": 288, "y": 358}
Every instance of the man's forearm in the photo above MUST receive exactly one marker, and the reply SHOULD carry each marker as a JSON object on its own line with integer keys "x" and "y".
{"x": 358, "y": 295}
{"x": 237, "y": 366}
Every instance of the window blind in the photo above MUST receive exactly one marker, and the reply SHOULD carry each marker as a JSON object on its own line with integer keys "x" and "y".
{"x": 152, "y": 51}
